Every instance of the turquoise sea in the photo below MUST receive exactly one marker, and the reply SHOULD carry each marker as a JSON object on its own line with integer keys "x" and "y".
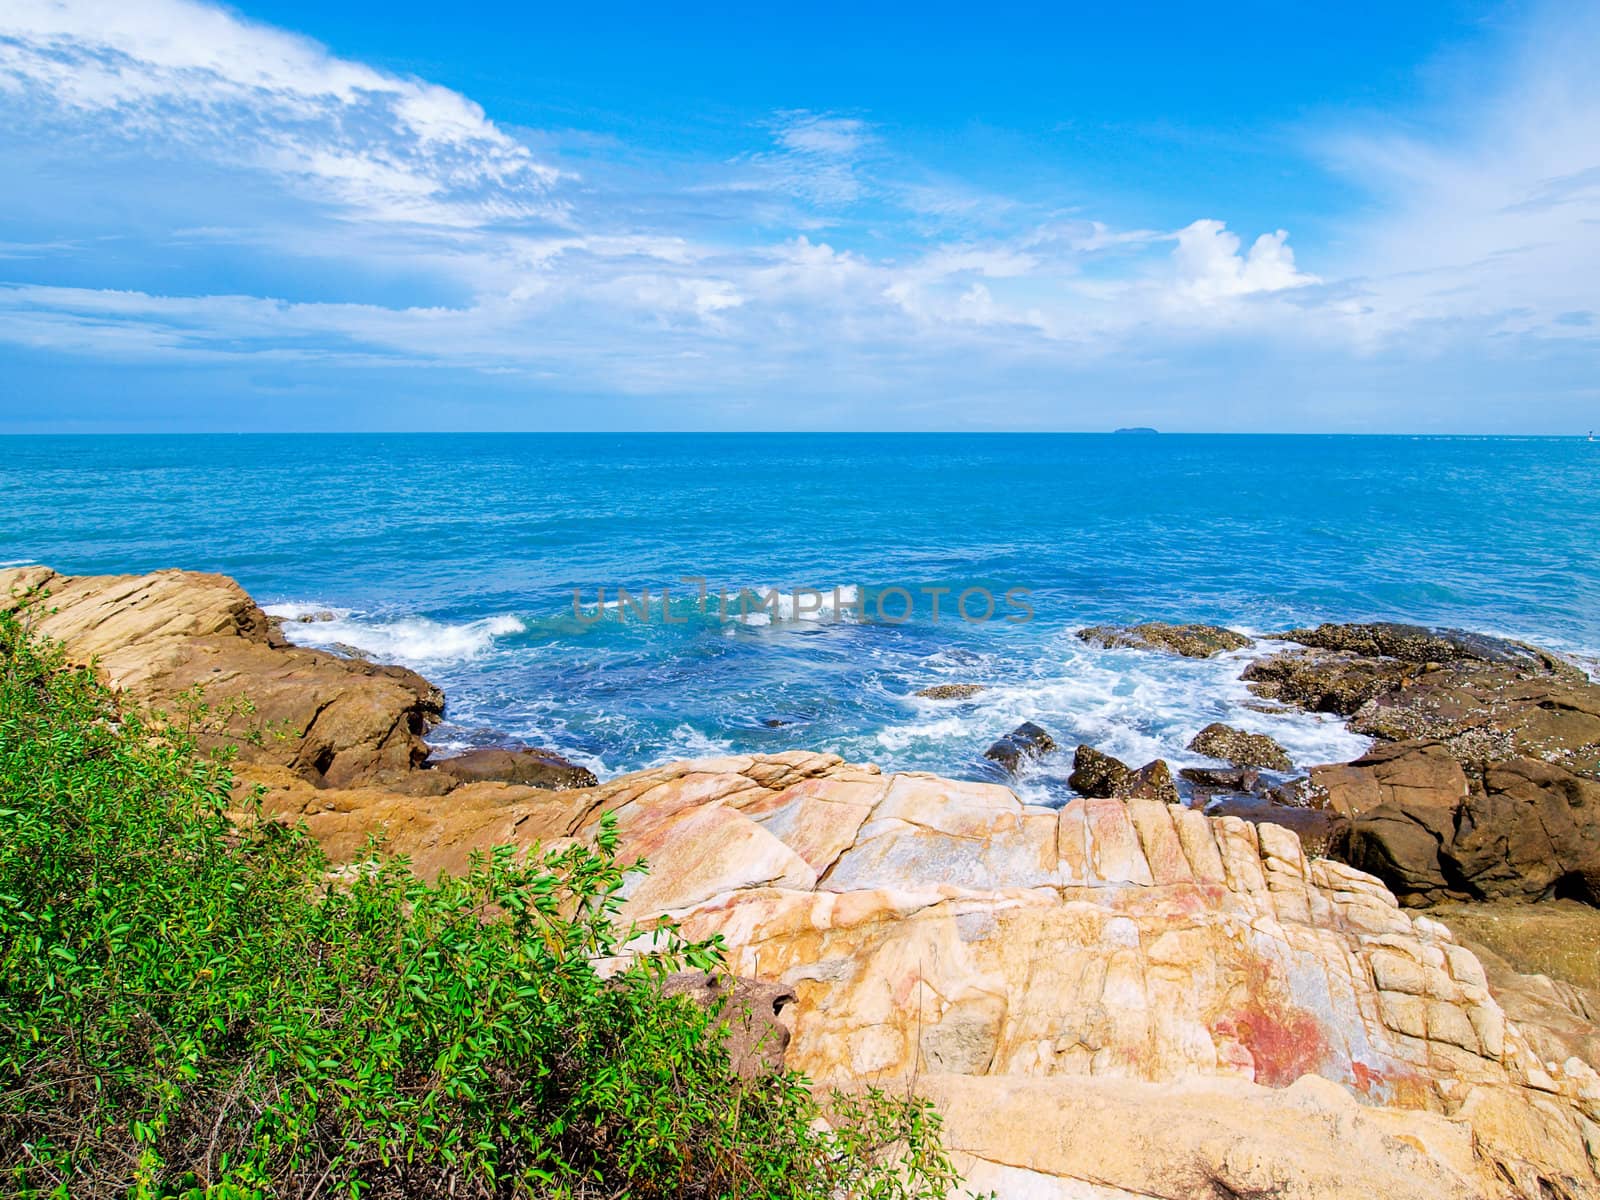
{"x": 459, "y": 555}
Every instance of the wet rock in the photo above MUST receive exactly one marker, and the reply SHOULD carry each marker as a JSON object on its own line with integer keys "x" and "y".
{"x": 1239, "y": 748}
{"x": 1153, "y": 781}
{"x": 1296, "y": 793}
{"x": 1095, "y": 774}
{"x": 320, "y": 616}
{"x": 1419, "y": 644}
{"x": 522, "y": 765}
{"x": 1221, "y": 779}
{"x": 1100, "y": 776}
{"x": 1027, "y": 741}
{"x": 951, "y": 691}
{"x": 1325, "y": 681}
{"x": 1190, "y": 641}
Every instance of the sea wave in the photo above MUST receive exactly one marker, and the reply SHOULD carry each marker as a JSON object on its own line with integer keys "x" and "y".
{"x": 768, "y": 605}
{"x": 410, "y": 641}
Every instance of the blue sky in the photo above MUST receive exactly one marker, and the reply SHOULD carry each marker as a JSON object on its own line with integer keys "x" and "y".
{"x": 1348, "y": 218}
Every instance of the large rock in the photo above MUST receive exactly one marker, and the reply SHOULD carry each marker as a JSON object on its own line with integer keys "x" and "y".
{"x": 166, "y": 637}
{"x": 1485, "y": 699}
{"x": 1481, "y": 782}
{"x": 1486, "y": 714}
{"x": 1239, "y": 748}
{"x": 1418, "y": 774}
{"x": 1190, "y": 641}
{"x": 1420, "y": 644}
{"x": 1209, "y": 1004}
{"x": 519, "y": 764}
{"x": 1528, "y": 829}
{"x": 1325, "y": 681}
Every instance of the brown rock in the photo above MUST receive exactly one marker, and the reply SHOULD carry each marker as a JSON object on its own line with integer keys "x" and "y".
{"x": 1239, "y": 748}
{"x": 1532, "y": 830}
{"x": 1528, "y": 829}
{"x": 1325, "y": 681}
{"x": 1487, "y": 713}
{"x": 951, "y": 691}
{"x": 521, "y": 765}
{"x": 1190, "y": 641}
{"x": 1100, "y": 776}
{"x": 1419, "y": 644}
{"x": 1153, "y": 781}
{"x": 1403, "y": 774}
{"x": 158, "y": 637}
{"x": 1095, "y": 774}
{"x": 1221, "y": 779}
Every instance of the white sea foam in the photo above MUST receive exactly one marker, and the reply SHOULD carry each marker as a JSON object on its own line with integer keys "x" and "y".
{"x": 1135, "y": 704}
{"x": 18, "y": 562}
{"x": 295, "y": 610}
{"x": 410, "y": 641}
{"x": 689, "y": 742}
{"x": 763, "y": 605}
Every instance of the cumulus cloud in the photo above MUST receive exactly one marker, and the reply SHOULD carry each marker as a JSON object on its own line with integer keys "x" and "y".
{"x": 1210, "y": 267}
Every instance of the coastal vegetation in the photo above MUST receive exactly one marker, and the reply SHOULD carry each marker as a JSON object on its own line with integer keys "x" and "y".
{"x": 197, "y": 1006}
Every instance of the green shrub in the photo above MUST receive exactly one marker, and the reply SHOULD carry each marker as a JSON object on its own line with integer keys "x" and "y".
{"x": 193, "y": 1008}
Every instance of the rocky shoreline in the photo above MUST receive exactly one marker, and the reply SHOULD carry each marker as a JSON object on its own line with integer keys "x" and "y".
{"x": 1123, "y": 997}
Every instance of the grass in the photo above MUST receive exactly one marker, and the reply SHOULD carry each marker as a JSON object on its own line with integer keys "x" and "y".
{"x": 194, "y": 1008}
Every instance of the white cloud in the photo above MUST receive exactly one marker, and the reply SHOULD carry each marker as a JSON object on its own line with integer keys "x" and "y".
{"x": 190, "y": 75}
{"x": 1488, "y": 224}
{"x": 817, "y": 157}
{"x": 1210, "y": 267}
{"x": 715, "y": 279}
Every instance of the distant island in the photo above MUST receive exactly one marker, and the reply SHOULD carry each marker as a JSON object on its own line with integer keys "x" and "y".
{"x": 1136, "y": 429}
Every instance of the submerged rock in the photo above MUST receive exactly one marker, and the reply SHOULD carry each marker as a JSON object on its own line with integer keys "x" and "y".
{"x": 1239, "y": 748}
{"x": 1190, "y": 641}
{"x": 951, "y": 691}
{"x": 1027, "y": 741}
